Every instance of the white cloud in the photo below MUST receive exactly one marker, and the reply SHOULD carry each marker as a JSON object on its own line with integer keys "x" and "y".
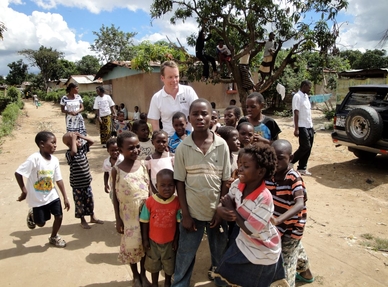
{"x": 32, "y": 31}
{"x": 368, "y": 25}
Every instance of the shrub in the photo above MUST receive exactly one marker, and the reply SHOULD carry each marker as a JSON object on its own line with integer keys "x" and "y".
{"x": 9, "y": 117}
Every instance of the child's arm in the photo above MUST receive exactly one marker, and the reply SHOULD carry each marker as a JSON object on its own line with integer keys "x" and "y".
{"x": 106, "y": 182}
{"x": 88, "y": 139}
{"x": 216, "y": 218}
{"x": 176, "y": 238}
{"x": 187, "y": 221}
{"x": 73, "y": 147}
{"x": 116, "y": 205}
{"x": 61, "y": 187}
{"x": 298, "y": 206}
{"x": 145, "y": 228}
{"x": 20, "y": 181}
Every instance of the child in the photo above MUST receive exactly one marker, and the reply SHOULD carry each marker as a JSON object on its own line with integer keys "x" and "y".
{"x": 224, "y": 57}
{"x": 245, "y": 132}
{"x": 121, "y": 124}
{"x": 136, "y": 114}
{"x": 80, "y": 177}
{"x": 143, "y": 116}
{"x": 253, "y": 258}
{"x": 159, "y": 220}
{"x": 266, "y": 129}
{"x": 231, "y": 116}
{"x": 130, "y": 190}
{"x": 289, "y": 196}
{"x": 160, "y": 159}
{"x": 201, "y": 169}
{"x": 124, "y": 110}
{"x": 231, "y": 136}
{"x": 179, "y": 123}
{"x": 214, "y": 124}
{"x": 113, "y": 159}
{"x": 140, "y": 128}
{"x": 41, "y": 170}
{"x": 36, "y": 100}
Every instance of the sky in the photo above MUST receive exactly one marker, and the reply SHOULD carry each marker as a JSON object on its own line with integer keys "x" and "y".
{"x": 68, "y": 25}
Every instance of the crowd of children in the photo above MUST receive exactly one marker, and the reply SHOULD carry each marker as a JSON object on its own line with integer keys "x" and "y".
{"x": 232, "y": 182}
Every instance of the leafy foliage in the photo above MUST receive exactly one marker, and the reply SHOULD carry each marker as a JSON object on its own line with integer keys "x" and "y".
{"x": 112, "y": 44}
{"x": 18, "y": 73}
{"x": 2, "y": 30}
{"x": 9, "y": 117}
{"x": 88, "y": 65}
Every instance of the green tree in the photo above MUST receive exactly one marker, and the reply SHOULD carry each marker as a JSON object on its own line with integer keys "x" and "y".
{"x": 64, "y": 69}
{"x": 352, "y": 56}
{"x": 238, "y": 22}
{"x": 112, "y": 44}
{"x": 372, "y": 59}
{"x": 88, "y": 65}
{"x": 17, "y": 73}
{"x": 45, "y": 59}
{"x": 2, "y": 80}
{"x": 2, "y": 30}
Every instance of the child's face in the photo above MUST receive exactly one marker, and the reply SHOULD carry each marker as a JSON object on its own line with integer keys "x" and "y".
{"x": 165, "y": 185}
{"x": 248, "y": 172}
{"x": 179, "y": 126}
{"x": 136, "y": 109}
{"x": 253, "y": 107}
{"x": 120, "y": 117}
{"x": 131, "y": 148}
{"x": 49, "y": 146}
{"x": 143, "y": 133}
{"x": 283, "y": 158}
{"x": 233, "y": 141}
{"x": 200, "y": 116}
{"x": 113, "y": 151}
{"x": 230, "y": 118}
{"x": 214, "y": 119}
{"x": 246, "y": 135}
{"x": 160, "y": 143}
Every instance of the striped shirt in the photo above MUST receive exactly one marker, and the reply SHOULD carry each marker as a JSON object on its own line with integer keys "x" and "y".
{"x": 283, "y": 193}
{"x": 202, "y": 174}
{"x": 80, "y": 176}
{"x": 263, "y": 246}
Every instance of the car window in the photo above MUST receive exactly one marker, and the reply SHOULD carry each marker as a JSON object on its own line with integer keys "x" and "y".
{"x": 363, "y": 98}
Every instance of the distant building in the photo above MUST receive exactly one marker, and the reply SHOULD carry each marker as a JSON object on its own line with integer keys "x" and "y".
{"x": 86, "y": 83}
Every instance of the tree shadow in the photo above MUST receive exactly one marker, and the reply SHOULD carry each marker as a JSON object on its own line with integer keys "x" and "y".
{"x": 358, "y": 173}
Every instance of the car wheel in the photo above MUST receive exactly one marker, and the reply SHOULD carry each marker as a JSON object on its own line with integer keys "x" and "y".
{"x": 364, "y": 125}
{"x": 365, "y": 155}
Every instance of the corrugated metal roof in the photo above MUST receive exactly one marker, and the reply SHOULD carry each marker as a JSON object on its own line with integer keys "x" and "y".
{"x": 365, "y": 73}
{"x": 84, "y": 79}
{"x": 111, "y": 65}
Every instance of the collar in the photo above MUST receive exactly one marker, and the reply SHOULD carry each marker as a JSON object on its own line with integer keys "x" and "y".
{"x": 165, "y": 94}
{"x": 253, "y": 195}
{"x": 217, "y": 140}
{"x": 159, "y": 200}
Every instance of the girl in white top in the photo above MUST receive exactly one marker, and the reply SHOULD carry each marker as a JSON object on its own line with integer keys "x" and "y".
{"x": 72, "y": 105}
{"x": 160, "y": 159}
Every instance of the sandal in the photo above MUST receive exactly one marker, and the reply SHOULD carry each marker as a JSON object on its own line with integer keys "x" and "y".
{"x": 300, "y": 278}
{"x": 57, "y": 241}
{"x": 30, "y": 220}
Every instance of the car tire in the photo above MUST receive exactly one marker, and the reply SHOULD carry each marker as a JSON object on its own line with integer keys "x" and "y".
{"x": 364, "y": 125}
{"x": 364, "y": 155}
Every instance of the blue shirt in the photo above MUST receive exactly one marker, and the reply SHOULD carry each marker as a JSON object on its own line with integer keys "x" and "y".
{"x": 175, "y": 140}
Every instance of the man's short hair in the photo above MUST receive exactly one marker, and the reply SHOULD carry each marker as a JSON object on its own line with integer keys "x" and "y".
{"x": 170, "y": 64}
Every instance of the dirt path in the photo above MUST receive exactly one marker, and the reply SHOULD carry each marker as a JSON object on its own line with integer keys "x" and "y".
{"x": 342, "y": 206}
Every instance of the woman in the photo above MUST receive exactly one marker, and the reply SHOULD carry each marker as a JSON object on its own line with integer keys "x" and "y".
{"x": 104, "y": 108}
{"x": 72, "y": 106}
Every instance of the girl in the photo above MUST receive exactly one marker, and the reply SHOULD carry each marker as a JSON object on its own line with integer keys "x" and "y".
{"x": 72, "y": 105}
{"x": 113, "y": 159}
{"x": 245, "y": 134}
{"x": 160, "y": 159}
{"x": 231, "y": 136}
{"x": 266, "y": 129}
{"x": 253, "y": 258}
{"x": 130, "y": 185}
{"x": 141, "y": 129}
{"x": 231, "y": 116}
{"x": 214, "y": 124}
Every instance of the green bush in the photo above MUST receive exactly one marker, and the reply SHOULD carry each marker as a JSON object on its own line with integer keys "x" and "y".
{"x": 9, "y": 117}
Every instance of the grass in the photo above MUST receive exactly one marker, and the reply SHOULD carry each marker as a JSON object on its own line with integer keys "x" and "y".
{"x": 375, "y": 243}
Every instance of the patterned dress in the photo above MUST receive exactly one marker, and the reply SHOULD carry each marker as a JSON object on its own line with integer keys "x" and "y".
{"x": 131, "y": 192}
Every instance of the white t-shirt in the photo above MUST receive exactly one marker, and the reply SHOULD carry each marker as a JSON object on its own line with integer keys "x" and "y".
{"x": 107, "y": 167}
{"x": 71, "y": 105}
{"x": 41, "y": 176}
{"x": 103, "y": 104}
{"x": 301, "y": 102}
{"x": 164, "y": 106}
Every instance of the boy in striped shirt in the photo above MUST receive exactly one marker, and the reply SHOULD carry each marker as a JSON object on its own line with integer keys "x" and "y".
{"x": 290, "y": 214}
{"x": 80, "y": 177}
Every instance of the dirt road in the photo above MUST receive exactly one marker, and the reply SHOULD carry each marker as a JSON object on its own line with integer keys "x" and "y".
{"x": 341, "y": 207}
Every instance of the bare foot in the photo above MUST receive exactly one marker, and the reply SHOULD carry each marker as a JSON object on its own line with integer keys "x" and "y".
{"x": 144, "y": 281}
{"x": 85, "y": 225}
{"x": 95, "y": 220}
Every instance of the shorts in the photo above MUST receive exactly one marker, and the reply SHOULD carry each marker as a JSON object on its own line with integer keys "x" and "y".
{"x": 160, "y": 257}
{"x": 43, "y": 213}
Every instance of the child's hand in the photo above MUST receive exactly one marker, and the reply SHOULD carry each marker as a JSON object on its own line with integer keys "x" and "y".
{"x": 22, "y": 196}
{"x": 107, "y": 188}
{"x": 175, "y": 244}
{"x": 226, "y": 214}
{"x": 216, "y": 220}
{"x": 227, "y": 202}
{"x": 274, "y": 221}
{"x": 119, "y": 226}
{"x": 146, "y": 244}
{"x": 188, "y": 224}
{"x": 67, "y": 204}
{"x": 229, "y": 182}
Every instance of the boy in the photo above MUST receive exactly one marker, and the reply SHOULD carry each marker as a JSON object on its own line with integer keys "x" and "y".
{"x": 159, "y": 220}
{"x": 113, "y": 159}
{"x": 179, "y": 123}
{"x": 41, "y": 170}
{"x": 80, "y": 177}
{"x": 140, "y": 128}
{"x": 202, "y": 169}
{"x": 289, "y": 196}
{"x": 121, "y": 124}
